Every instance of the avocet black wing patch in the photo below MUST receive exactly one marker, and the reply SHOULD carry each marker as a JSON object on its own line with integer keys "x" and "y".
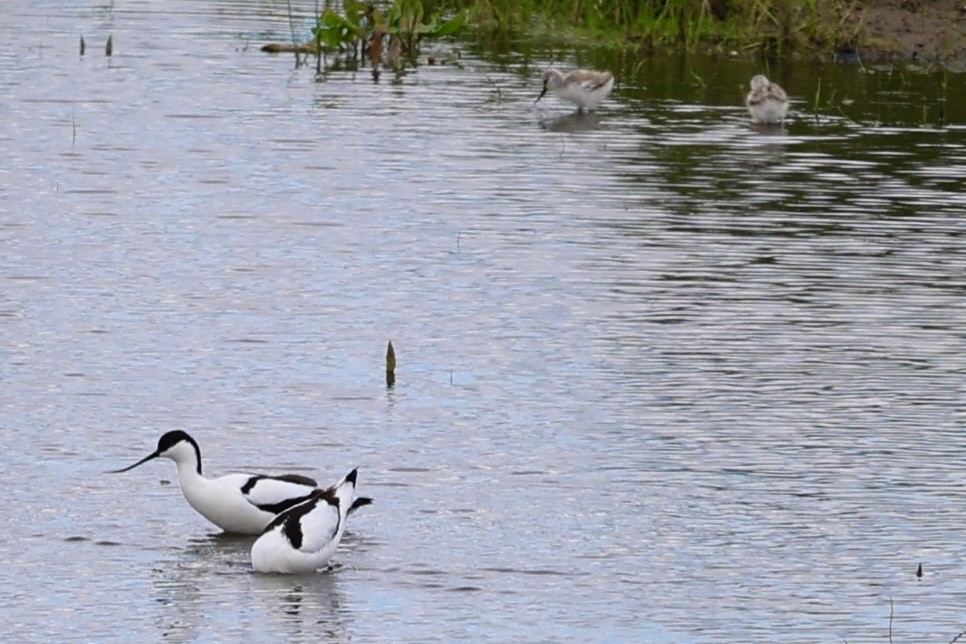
{"x": 310, "y": 525}
{"x": 321, "y": 524}
{"x": 275, "y": 494}
{"x": 295, "y": 478}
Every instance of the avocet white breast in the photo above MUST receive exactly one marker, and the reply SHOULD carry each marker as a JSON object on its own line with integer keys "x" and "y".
{"x": 303, "y": 538}
{"x": 241, "y": 503}
{"x": 585, "y": 88}
{"x": 767, "y": 102}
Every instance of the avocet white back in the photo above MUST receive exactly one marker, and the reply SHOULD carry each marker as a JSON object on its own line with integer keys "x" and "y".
{"x": 303, "y": 538}
{"x": 239, "y": 503}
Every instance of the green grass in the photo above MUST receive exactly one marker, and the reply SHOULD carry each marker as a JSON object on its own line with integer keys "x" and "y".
{"x": 774, "y": 25}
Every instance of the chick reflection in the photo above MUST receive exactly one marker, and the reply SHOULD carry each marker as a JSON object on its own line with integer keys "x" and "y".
{"x": 574, "y": 122}
{"x": 770, "y": 145}
{"x": 302, "y": 607}
{"x": 769, "y": 129}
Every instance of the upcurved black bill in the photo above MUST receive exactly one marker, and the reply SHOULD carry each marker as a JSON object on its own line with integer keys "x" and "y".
{"x": 542, "y": 93}
{"x": 131, "y": 467}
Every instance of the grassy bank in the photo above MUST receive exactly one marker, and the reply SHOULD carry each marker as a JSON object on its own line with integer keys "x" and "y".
{"x": 772, "y": 25}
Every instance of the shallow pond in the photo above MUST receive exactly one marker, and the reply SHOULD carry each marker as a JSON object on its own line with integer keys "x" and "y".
{"x": 662, "y": 375}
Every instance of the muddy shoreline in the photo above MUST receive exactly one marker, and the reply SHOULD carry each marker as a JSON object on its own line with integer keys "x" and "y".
{"x": 926, "y": 32}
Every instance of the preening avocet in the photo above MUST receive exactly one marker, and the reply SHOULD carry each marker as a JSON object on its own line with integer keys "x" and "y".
{"x": 585, "y": 88}
{"x": 241, "y": 503}
{"x": 303, "y": 538}
{"x": 767, "y": 102}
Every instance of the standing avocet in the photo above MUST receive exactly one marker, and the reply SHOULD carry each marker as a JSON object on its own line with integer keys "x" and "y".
{"x": 241, "y": 503}
{"x": 303, "y": 538}
{"x": 582, "y": 87}
{"x": 767, "y": 102}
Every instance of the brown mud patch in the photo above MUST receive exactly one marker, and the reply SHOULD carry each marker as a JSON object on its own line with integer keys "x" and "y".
{"x": 927, "y": 32}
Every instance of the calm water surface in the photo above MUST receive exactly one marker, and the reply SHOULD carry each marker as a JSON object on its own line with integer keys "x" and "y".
{"x": 662, "y": 376}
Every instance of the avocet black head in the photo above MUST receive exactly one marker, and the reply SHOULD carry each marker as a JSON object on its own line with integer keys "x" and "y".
{"x": 176, "y": 445}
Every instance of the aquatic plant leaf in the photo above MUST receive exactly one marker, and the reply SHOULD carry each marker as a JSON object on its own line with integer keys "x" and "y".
{"x": 335, "y": 29}
{"x": 329, "y": 32}
{"x": 406, "y": 15}
{"x": 357, "y": 12}
{"x": 449, "y": 27}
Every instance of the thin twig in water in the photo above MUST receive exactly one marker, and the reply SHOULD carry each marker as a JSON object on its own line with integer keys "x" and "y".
{"x": 700, "y": 80}
{"x": 849, "y": 118}
{"x": 890, "y": 620}
{"x": 818, "y": 95}
{"x": 499, "y": 96}
{"x": 318, "y": 41}
{"x": 291, "y": 29}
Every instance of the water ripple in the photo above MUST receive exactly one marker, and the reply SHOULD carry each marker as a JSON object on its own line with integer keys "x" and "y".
{"x": 708, "y": 375}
